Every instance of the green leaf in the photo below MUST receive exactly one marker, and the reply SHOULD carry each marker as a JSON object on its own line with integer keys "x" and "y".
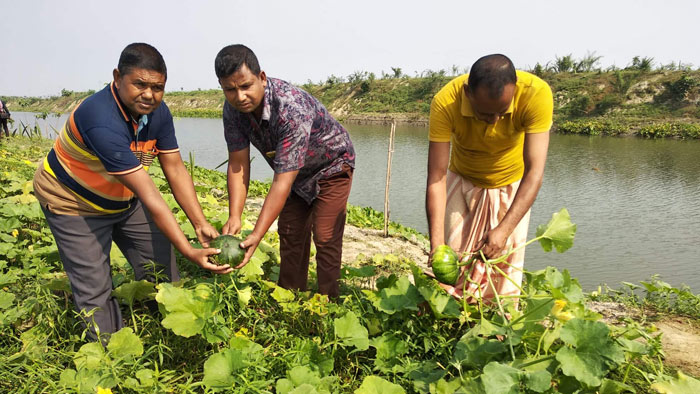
{"x": 348, "y": 272}
{"x": 476, "y": 352}
{"x": 350, "y": 332}
{"x": 134, "y": 291}
{"x": 500, "y": 379}
{"x": 124, "y": 343}
{"x": 219, "y": 368}
{"x": 615, "y": 387}
{"x": 90, "y": 356}
{"x": 187, "y": 314}
{"x": 563, "y": 286}
{"x": 538, "y": 381}
{"x": 244, "y": 296}
{"x": 6, "y": 299}
{"x": 682, "y": 384}
{"x": 376, "y": 385}
{"x": 559, "y": 232}
{"x": 593, "y": 353}
{"x": 402, "y": 295}
{"x": 389, "y": 348}
{"x": 442, "y": 304}
{"x": 253, "y": 270}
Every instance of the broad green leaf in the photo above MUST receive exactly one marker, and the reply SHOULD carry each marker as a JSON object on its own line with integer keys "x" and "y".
{"x": 219, "y": 368}
{"x": 253, "y": 270}
{"x": 634, "y": 347}
{"x": 562, "y": 285}
{"x": 282, "y": 295}
{"x": 442, "y": 304}
{"x": 348, "y": 272}
{"x": 8, "y": 278}
{"x": 592, "y": 353}
{"x": 615, "y": 387}
{"x": 376, "y": 385}
{"x": 244, "y": 296}
{"x": 134, "y": 291}
{"x": 427, "y": 372}
{"x": 188, "y": 310}
{"x": 537, "y": 309}
{"x": 402, "y": 295}
{"x": 124, "y": 343}
{"x": 145, "y": 376}
{"x": 59, "y": 284}
{"x": 538, "y": 381}
{"x": 389, "y": 348}
{"x": 444, "y": 387}
{"x": 500, "y": 379}
{"x": 185, "y": 323}
{"x": 6, "y": 299}
{"x": 90, "y": 356}
{"x": 682, "y": 384}
{"x": 302, "y": 380}
{"x": 559, "y": 232}
{"x": 476, "y": 352}
{"x": 350, "y": 332}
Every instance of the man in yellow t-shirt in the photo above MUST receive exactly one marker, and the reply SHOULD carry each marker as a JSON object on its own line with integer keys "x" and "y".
{"x": 489, "y": 134}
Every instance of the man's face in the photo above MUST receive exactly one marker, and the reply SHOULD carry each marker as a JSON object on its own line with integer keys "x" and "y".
{"x": 245, "y": 90}
{"x": 140, "y": 90}
{"x": 486, "y": 108}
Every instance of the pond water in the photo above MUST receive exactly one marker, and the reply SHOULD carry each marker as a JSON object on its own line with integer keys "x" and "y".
{"x": 636, "y": 202}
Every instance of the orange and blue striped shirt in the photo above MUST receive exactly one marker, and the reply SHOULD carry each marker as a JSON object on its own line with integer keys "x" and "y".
{"x": 99, "y": 141}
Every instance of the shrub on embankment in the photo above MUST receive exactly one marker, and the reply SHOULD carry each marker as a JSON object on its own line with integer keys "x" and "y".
{"x": 638, "y": 99}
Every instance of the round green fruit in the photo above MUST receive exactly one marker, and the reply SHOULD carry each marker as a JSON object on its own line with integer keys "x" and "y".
{"x": 231, "y": 252}
{"x": 444, "y": 262}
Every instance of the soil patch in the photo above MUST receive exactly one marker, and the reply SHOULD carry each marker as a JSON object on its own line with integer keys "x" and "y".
{"x": 680, "y": 336}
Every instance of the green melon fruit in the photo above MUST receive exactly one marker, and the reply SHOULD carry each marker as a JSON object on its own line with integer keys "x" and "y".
{"x": 445, "y": 268}
{"x": 231, "y": 252}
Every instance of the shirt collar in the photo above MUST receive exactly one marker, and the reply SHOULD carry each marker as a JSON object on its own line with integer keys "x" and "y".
{"x": 143, "y": 119}
{"x": 266, "y": 102}
{"x": 466, "y": 107}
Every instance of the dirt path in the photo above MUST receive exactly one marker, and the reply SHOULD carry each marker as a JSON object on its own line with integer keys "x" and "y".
{"x": 680, "y": 337}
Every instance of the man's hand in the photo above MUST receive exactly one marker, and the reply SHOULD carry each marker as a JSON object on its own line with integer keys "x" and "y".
{"x": 250, "y": 243}
{"x": 493, "y": 243}
{"x": 201, "y": 258}
{"x": 205, "y": 234}
{"x": 232, "y": 226}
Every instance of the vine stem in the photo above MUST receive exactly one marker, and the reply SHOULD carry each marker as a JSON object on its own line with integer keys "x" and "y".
{"x": 500, "y": 307}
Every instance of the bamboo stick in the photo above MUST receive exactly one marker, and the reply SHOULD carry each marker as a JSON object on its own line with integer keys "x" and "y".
{"x": 388, "y": 178}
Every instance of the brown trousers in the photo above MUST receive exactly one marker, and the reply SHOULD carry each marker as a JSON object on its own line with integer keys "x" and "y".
{"x": 325, "y": 218}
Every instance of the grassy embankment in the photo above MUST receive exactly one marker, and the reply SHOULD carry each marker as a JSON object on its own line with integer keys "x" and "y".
{"x": 637, "y": 100}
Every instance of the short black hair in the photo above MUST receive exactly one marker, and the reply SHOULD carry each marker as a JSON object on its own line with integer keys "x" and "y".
{"x": 232, "y": 57}
{"x": 493, "y": 72}
{"x": 141, "y": 55}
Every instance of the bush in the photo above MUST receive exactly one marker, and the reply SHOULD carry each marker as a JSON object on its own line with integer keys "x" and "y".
{"x": 677, "y": 130}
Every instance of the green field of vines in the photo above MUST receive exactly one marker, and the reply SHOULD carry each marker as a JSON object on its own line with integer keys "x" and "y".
{"x": 390, "y": 332}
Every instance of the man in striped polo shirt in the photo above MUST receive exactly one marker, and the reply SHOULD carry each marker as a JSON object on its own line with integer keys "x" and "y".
{"x": 94, "y": 189}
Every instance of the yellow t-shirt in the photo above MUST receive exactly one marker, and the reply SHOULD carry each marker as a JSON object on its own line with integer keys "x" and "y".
{"x": 490, "y": 156}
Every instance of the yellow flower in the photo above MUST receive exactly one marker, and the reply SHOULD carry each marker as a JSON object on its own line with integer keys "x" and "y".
{"x": 28, "y": 162}
{"x": 15, "y": 233}
{"x": 242, "y": 333}
{"x": 100, "y": 390}
{"x": 557, "y": 311}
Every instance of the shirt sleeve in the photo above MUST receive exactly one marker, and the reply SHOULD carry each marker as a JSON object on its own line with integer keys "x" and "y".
{"x": 440, "y": 121}
{"x": 166, "y": 141}
{"x": 236, "y": 139}
{"x": 539, "y": 112}
{"x": 293, "y": 145}
{"x": 113, "y": 149}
